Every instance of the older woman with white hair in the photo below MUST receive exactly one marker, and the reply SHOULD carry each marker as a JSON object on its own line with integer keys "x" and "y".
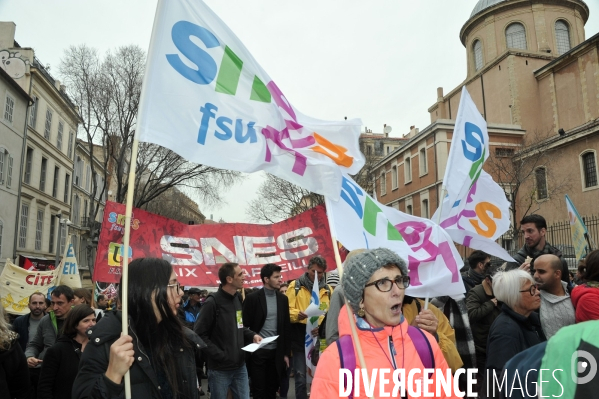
{"x": 518, "y": 327}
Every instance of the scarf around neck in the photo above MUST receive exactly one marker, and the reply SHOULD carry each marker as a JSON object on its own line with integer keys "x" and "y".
{"x": 305, "y": 282}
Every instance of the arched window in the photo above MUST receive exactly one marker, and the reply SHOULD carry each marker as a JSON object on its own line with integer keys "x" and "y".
{"x": 515, "y": 36}
{"x": 541, "y": 177}
{"x": 562, "y": 37}
{"x": 478, "y": 54}
{"x": 589, "y": 166}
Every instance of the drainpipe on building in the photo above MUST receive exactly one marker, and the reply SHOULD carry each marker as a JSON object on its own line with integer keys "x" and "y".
{"x": 14, "y": 248}
{"x": 436, "y": 170}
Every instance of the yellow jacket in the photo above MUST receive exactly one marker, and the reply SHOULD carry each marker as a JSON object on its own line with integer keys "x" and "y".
{"x": 444, "y": 331}
{"x": 300, "y": 302}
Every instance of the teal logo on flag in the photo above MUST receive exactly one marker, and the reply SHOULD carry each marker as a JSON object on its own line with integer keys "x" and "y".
{"x": 229, "y": 73}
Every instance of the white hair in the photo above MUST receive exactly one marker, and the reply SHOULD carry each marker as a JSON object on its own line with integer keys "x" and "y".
{"x": 506, "y": 286}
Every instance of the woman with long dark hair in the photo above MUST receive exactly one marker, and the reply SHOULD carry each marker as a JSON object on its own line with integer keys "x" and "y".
{"x": 61, "y": 362}
{"x": 159, "y": 352}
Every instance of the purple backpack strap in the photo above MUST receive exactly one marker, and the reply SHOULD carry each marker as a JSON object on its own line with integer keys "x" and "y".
{"x": 423, "y": 347}
{"x": 347, "y": 357}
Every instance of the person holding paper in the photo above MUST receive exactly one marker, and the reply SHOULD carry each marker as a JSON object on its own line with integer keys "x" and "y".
{"x": 267, "y": 311}
{"x": 299, "y": 294}
{"x": 220, "y": 325}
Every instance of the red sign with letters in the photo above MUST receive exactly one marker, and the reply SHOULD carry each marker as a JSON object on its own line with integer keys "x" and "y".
{"x": 197, "y": 251}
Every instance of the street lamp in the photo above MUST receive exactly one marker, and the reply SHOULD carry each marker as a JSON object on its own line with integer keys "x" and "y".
{"x": 60, "y": 223}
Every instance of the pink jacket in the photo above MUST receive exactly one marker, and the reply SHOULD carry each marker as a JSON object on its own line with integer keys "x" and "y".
{"x": 376, "y": 346}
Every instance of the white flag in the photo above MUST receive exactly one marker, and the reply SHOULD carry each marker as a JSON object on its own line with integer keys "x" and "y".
{"x": 68, "y": 271}
{"x": 469, "y": 149}
{"x": 314, "y": 311}
{"x": 206, "y": 98}
{"x": 479, "y": 218}
{"x": 475, "y": 211}
{"x": 434, "y": 264}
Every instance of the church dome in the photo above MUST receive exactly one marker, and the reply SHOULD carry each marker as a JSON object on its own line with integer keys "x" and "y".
{"x": 483, "y": 5}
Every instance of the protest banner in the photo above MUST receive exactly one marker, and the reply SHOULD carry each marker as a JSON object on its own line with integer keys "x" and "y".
{"x": 17, "y": 284}
{"x": 197, "y": 251}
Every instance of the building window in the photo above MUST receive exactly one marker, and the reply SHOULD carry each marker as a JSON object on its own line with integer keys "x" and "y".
{"x": 59, "y": 135}
{"x": 43, "y": 174}
{"x": 504, "y": 152}
{"x": 33, "y": 113}
{"x": 9, "y": 108}
{"x": 23, "y": 225}
{"x": 67, "y": 180}
{"x": 76, "y": 207}
{"x": 39, "y": 226}
{"x": 48, "y": 125}
{"x": 85, "y": 209}
{"x": 409, "y": 210}
{"x": 408, "y": 169}
{"x": 423, "y": 162}
{"x": 562, "y": 37}
{"x": 70, "y": 150}
{"x": 515, "y": 36}
{"x": 589, "y": 166}
{"x": 394, "y": 177}
{"x": 28, "y": 162}
{"x": 9, "y": 171}
{"x": 6, "y": 162}
{"x": 1, "y": 230}
{"x": 55, "y": 184}
{"x": 78, "y": 172}
{"x": 63, "y": 237}
{"x": 541, "y": 180}
{"x": 383, "y": 184}
{"x": 425, "y": 213}
{"x": 478, "y": 54}
{"x": 52, "y": 232}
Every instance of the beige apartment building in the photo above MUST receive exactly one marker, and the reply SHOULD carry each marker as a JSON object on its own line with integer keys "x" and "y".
{"x": 46, "y": 178}
{"x": 535, "y": 79}
{"x": 87, "y": 198}
{"x": 14, "y": 102}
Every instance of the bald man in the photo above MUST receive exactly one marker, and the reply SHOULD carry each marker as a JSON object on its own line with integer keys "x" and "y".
{"x": 556, "y": 306}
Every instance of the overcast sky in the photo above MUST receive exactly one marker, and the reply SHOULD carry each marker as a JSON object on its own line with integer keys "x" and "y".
{"x": 379, "y": 60}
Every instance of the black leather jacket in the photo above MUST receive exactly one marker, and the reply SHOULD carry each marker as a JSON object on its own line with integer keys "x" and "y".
{"x": 92, "y": 383}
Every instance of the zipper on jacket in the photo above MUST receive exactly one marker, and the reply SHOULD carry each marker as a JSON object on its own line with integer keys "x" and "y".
{"x": 392, "y": 352}
{"x": 138, "y": 343}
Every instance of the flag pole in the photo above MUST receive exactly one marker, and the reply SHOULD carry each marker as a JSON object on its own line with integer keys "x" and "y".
{"x": 443, "y": 193}
{"x": 125, "y": 272}
{"x": 352, "y": 322}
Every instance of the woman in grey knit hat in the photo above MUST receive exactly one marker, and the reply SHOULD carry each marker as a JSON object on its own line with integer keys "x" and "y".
{"x": 374, "y": 284}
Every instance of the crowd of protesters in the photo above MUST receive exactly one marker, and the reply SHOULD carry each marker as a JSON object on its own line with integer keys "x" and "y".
{"x": 74, "y": 347}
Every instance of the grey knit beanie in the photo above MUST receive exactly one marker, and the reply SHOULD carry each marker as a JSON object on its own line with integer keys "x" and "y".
{"x": 359, "y": 268}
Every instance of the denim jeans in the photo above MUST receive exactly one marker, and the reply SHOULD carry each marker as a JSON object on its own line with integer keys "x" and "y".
{"x": 299, "y": 364}
{"x": 220, "y": 381}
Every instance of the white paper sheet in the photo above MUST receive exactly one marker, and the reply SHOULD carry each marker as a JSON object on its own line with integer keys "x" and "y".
{"x": 255, "y": 347}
